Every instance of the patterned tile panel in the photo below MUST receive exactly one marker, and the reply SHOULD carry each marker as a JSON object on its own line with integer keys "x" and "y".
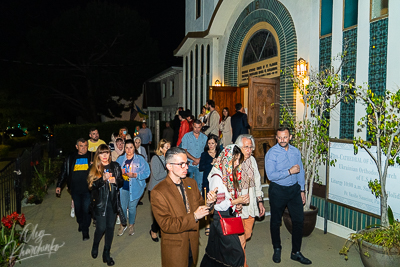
{"x": 378, "y": 56}
{"x": 348, "y": 73}
{"x": 325, "y": 52}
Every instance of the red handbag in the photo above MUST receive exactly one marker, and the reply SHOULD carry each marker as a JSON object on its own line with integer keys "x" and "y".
{"x": 231, "y": 226}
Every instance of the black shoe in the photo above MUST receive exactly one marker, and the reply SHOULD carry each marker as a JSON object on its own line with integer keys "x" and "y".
{"x": 277, "y": 255}
{"x": 107, "y": 258}
{"x": 154, "y": 239}
{"x": 79, "y": 228}
{"x": 95, "y": 251}
{"x": 300, "y": 258}
{"x": 85, "y": 236}
{"x": 140, "y": 203}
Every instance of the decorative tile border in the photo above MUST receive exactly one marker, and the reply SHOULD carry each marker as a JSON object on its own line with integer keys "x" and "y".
{"x": 344, "y": 216}
{"x": 276, "y": 14}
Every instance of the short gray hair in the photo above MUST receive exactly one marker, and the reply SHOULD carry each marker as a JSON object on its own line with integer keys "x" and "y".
{"x": 137, "y": 137}
{"x": 82, "y": 140}
{"x": 239, "y": 140}
{"x": 172, "y": 152}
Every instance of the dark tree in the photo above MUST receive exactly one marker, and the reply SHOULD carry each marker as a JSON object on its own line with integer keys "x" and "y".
{"x": 91, "y": 57}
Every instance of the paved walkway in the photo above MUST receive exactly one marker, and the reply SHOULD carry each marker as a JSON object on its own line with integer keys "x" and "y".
{"x": 52, "y": 217}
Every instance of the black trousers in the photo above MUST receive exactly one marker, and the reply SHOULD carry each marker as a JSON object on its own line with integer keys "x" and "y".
{"x": 155, "y": 228}
{"x": 222, "y": 250}
{"x": 147, "y": 148}
{"x": 105, "y": 226}
{"x": 279, "y": 198}
{"x": 81, "y": 205}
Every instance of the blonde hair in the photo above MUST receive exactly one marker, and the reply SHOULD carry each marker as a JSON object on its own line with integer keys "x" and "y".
{"x": 97, "y": 169}
{"x": 161, "y": 144}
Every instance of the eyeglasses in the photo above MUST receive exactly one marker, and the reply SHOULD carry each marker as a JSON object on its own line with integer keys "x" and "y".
{"x": 248, "y": 147}
{"x": 182, "y": 164}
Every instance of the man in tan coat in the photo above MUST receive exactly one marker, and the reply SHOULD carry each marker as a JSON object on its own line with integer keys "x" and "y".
{"x": 177, "y": 206}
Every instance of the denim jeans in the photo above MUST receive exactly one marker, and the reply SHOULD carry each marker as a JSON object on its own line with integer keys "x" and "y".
{"x": 127, "y": 204}
{"x": 83, "y": 217}
{"x": 198, "y": 176}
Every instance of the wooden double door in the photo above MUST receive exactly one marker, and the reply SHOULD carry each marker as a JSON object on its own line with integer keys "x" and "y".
{"x": 226, "y": 97}
{"x": 262, "y": 112}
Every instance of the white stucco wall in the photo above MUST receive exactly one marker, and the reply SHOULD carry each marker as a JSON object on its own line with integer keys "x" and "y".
{"x": 393, "y": 51}
{"x": 171, "y": 103}
{"x": 201, "y": 23}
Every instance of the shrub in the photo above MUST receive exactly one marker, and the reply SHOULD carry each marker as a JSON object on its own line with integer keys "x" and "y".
{"x": 18, "y": 142}
{"x": 4, "y": 151}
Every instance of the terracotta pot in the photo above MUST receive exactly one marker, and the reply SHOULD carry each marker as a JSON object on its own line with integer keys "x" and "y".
{"x": 310, "y": 219}
{"x": 377, "y": 255}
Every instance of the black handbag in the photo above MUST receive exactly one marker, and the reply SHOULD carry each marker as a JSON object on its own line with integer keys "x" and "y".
{"x": 205, "y": 128}
{"x": 121, "y": 214}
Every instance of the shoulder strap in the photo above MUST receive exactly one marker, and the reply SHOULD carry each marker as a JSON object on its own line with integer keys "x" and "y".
{"x": 209, "y": 118}
{"x": 216, "y": 174}
{"x": 162, "y": 163}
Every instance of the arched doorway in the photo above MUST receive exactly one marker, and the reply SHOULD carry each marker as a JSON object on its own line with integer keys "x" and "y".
{"x": 258, "y": 76}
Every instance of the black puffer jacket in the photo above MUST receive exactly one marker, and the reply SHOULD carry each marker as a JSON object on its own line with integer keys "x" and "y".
{"x": 101, "y": 191}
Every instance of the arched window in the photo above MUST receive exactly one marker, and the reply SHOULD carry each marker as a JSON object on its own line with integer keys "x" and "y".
{"x": 261, "y": 46}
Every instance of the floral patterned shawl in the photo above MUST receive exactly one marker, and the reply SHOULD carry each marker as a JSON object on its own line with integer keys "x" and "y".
{"x": 224, "y": 164}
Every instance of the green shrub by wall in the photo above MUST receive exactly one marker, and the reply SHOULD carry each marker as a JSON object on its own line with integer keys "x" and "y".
{"x": 18, "y": 142}
{"x": 4, "y": 151}
{"x": 67, "y": 134}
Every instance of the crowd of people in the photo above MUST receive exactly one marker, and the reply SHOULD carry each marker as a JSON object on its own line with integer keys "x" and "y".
{"x": 203, "y": 169}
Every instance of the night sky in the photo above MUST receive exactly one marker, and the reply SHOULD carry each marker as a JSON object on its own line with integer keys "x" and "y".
{"x": 17, "y": 17}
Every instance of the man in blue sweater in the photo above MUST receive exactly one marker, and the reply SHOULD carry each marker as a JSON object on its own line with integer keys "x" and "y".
{"x": 286, "y": 173}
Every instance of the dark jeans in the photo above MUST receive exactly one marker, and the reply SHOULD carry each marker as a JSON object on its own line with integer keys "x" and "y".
{"x": 81, "y": 204}
{"x": 279, "y": 198}
{"x": 105, "y": 224}
{"x": 155, "y": 228}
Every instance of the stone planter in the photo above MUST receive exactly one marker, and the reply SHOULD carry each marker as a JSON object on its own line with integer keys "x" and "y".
{"x": 378, "y": 257}
{"x": 310, "y": 219}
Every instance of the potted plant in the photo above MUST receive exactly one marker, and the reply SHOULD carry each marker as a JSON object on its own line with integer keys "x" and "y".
{"x": 323, "y": 92}
{"x": 11, "y": 241}
{"x": 383, "y": 127}
{"x": 44, "y": 175}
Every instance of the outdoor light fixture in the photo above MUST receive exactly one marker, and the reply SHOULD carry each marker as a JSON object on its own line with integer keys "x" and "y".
{"x": 302, "y": 69}
{"x": 217, "y": 83}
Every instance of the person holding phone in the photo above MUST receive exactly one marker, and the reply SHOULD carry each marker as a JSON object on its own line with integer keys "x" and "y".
{"x": 104, "y": 180}
{"x": 178, "y": 206}
{"x": 135, "y": 170}
{"x": 226, "y": 250}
